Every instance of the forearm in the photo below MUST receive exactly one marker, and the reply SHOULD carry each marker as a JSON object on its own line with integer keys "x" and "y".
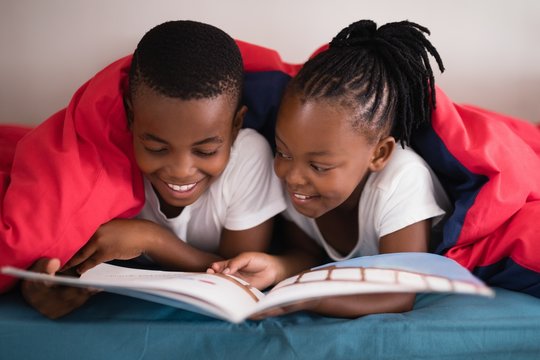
{"x": 294, "y": 262}
{"x": 354, "y": 306}
{"x": 166, "y": 249}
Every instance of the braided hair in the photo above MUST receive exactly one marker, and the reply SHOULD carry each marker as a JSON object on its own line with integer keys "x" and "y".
{"x": 187, "y": 60}
{"x": 383, "y": 74}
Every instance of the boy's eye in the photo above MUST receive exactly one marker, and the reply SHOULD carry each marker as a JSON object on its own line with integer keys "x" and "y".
{"x": 319, "y": 168}
{"x": 155, "y": 150}
{"x": 283, "y": 155}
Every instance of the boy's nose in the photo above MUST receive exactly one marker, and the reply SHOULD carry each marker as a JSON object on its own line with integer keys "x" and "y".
{"x": 182, "y": 167}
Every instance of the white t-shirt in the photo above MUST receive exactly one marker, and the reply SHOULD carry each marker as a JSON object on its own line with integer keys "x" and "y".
{"x": 405, "y": 192}
{"x": 245, "y": 195}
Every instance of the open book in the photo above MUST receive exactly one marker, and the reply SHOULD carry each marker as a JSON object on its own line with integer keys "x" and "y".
{"x": 229, "y": 298}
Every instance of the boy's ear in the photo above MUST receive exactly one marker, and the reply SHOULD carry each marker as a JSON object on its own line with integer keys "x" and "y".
{"x": 238, "y": 120}
{"x": 381, "y": 153}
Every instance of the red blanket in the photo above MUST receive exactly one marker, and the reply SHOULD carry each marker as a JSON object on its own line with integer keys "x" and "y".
{"x": 490, "y": 166}
{"x": 76, "y": 171}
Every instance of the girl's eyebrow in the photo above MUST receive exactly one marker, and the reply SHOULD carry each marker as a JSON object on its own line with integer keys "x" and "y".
{"x": 279, "y": 139}
{"x": 210, "y": 140}
{"x": 319, "y": 153}
{"x": 311, "y": 153}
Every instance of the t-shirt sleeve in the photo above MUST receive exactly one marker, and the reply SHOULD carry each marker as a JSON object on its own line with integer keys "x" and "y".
{"x": 253, "y": 192}
{"x": 411, "y": 199}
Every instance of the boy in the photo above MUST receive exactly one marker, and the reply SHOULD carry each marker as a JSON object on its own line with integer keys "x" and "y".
{"x": 209, "y": 189}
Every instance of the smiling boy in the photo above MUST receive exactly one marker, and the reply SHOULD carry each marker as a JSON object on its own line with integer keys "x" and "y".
{"x": 210, "y": 191}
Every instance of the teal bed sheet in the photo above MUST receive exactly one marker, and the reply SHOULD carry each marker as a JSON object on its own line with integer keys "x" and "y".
{"x": 117, "y": 327}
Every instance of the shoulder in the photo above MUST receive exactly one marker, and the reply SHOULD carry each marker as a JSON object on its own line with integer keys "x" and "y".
{"x": 251, "y": 156}
{"x": 403, "y": 165}
{"x": 249, "y": 139}
{"x": 250, "y": 149}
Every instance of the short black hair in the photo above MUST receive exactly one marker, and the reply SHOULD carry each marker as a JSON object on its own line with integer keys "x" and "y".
{"x": 383, "y": 74}
{"x": 187, "y": 60}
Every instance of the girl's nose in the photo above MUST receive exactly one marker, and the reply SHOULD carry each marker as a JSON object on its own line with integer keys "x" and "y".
{"x": 294, "y": 176}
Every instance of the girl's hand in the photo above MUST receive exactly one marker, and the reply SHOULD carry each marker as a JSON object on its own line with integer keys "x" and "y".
{"x": 308, "y": 305}
{"x": 53, "y": 301}
{"x": 120, "y": 239}
{"x": 258, "y": 269}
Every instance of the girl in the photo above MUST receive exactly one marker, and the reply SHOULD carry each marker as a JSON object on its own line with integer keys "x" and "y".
{"x": 352, "y": 189}
{"x": 210, "y": 192}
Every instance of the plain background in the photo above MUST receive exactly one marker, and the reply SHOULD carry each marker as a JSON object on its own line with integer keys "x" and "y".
{"x": 48, "y": 48}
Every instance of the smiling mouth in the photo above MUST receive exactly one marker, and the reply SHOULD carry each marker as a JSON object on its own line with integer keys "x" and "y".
{"x": 181, "y": 188}
{"x": 302, "y": 196}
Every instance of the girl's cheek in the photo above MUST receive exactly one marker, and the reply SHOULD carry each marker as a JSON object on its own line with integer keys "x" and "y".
{"x": 279, "y": 168}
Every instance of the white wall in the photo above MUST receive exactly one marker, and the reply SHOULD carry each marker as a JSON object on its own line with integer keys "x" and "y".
{"x": 49, "y": 47}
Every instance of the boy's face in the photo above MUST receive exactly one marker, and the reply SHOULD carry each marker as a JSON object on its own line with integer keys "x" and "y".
{"x": 182, "y": 146}
{"x": 320, "y": 158}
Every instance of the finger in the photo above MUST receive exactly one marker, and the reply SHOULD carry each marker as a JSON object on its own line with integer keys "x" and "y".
{"x": 43, "y": 265}
{"x": 52, "y": 266}
{"x": 40, "y": 265}
{"x": 218, "y": 266}
{"x": 84, "y": 253}
{"x": 237, "y": 264}
{"x": 92, "y": 261}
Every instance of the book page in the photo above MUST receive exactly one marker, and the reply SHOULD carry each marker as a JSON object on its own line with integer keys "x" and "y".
{"x": 218, "y": 295}
{"x": 385, "y": 273}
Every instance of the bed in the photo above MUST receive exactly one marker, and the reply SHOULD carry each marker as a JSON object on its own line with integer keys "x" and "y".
{"x": 117, "y": 327}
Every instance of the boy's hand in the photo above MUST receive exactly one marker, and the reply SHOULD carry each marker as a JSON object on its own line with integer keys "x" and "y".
{"x": 119, "y": 239}
{"x": 53, "y": 301}
{"x": 259, "y": 269}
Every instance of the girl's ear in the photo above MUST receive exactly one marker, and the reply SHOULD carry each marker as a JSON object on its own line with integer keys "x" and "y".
{"x": 381, "y": 153}
{"x": 128, "y": 106}
{"x": 238, "y": 121}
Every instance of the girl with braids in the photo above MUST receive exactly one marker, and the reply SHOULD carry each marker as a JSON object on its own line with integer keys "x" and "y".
{"x": 354, "y": 187}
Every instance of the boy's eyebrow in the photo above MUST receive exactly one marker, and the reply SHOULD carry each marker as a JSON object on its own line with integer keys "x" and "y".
{"x": 213, "y": 139}
{"x": 147, "y": 136}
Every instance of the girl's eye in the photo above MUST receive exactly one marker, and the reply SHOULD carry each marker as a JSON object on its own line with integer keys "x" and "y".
{"x": 283, "y": 155}
{"x": 205, "y": 153}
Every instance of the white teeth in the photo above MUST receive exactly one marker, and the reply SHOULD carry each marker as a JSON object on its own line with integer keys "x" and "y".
{"x": 301, "y": 197}
{"x": 181, "y": 188}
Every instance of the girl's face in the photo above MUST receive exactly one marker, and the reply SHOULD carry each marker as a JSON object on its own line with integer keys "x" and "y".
{"x": 320, "y": 158}
{"x": 181, "y": 146}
